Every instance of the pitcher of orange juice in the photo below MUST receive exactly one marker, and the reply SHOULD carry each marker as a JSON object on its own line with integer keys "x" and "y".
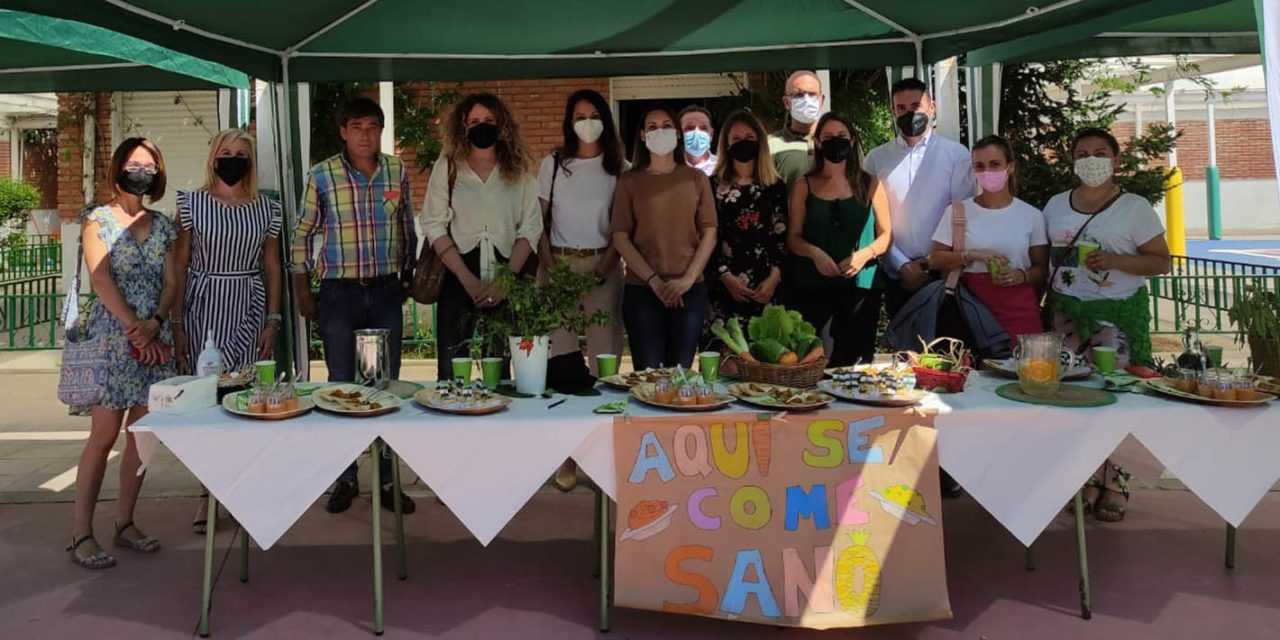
{"x": 1040, "y": 369}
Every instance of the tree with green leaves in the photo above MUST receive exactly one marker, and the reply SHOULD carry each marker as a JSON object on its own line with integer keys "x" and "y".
{"x": 1042, "y": 106}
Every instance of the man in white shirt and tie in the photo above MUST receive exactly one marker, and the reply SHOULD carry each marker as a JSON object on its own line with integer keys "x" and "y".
{"x": 923, "y": 173}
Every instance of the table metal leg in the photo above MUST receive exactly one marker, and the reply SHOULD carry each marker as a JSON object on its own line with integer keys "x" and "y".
{"x": 375, "y": 451}
{"x": 1086, "y": 605}
{"x": 1231, "y": 547}
{"x": 1031, "y": 557}
{"x": 595, "y": 538}
{"x": 602, "y": 509}
{"x": 244, "y": 554}
{"x": 395, "y": 488}
{"x": 206, "y": 593}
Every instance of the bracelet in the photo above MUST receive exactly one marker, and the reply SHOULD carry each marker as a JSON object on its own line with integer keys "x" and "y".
{"x": 175, "y": 321}
{"x": 159, "y": 320}
{"x": 964, "y": 256}
{"x": 651, "y": 277}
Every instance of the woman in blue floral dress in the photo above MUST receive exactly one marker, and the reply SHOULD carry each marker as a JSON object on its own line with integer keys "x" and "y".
{"x": 126, "y": 250}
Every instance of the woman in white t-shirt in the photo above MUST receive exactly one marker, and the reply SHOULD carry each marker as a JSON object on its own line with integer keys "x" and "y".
{"x": 1006, "y": 251}
{"x": 575, "y": 189}
{"x": 1105, "y": 243}
{"x": 1101, "y": 299}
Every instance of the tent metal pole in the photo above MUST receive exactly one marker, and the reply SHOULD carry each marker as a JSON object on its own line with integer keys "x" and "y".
{"x": 285, "y": 121}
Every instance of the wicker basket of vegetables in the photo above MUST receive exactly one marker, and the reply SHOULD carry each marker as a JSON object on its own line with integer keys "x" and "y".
{"x": 778, "y": 348}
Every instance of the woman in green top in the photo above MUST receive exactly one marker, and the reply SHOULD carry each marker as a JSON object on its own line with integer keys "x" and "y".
{"x": 833, "y": 245}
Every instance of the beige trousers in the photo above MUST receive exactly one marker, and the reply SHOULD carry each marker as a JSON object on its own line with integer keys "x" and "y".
{"x": 606, "y": 297}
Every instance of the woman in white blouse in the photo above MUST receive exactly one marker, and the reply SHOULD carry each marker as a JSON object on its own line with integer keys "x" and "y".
{"x": 481, "y": 208}
{"x": 575, "y": 188}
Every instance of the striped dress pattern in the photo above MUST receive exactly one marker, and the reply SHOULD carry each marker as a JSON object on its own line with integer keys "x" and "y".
{"x": 225, "y": 292}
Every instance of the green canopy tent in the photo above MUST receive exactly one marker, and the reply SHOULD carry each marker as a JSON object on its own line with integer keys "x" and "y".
{"x": 40, "y": 53}
{"x": 1232, "y": 27}
{"x": 333, "y": 40}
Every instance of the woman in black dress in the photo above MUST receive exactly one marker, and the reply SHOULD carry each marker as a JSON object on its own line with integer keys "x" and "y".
{"x": 751, "y": 206}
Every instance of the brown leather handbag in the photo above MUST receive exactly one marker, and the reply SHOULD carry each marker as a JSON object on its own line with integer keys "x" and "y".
{"x": 428, "y": 277}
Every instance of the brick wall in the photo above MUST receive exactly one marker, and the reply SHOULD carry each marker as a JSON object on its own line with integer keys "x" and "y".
{"x": 71, "y": 147}
{"x": 538, "y": 106}
{"x": 1244, "y": 147}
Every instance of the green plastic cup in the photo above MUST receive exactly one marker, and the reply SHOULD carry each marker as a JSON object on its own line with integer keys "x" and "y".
{"x": 462, "y": 368}
{"x": 1084, "y": 248}
{"x": 1214, "y": 355}
{"x": 994, "y": 267}
{"x": 265, "y": 372}
{"x": 709, "y": 365}
{"x": 1105, "y": 359}
{"x": 606, "y": 365}
{"x": 492, "y": 370}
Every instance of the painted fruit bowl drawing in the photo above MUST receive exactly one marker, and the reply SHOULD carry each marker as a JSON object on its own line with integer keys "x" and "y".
{"x": 648, "y": 519}
{"x": 903, "y": 503}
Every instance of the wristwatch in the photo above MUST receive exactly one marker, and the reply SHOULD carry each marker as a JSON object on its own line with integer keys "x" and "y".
{"x": 159, "y": 319}
{"x": 276, "y": 318}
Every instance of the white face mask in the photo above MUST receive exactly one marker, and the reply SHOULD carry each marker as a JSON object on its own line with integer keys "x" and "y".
{"x": 588, "y": 130}
{"x": 806, "y": 110}
{"x": 661, "y": 141}
{"x": 1094, "y": 171}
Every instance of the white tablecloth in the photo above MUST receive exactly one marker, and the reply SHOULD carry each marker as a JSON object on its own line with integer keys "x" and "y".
{"x": 1021, "y": 462}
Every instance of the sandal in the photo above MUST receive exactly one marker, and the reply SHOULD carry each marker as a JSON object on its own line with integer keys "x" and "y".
{"x": 201, "y": 523}
{"x": 1089, "y": 496}
{"x": 566, "y": 477}
{"x": 1114, "y": 500}
{"x": 142, "y": 544}
{"x": 97, "y": 560}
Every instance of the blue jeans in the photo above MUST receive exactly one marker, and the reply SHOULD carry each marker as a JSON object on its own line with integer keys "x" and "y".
{"x": 346, "y": 306}
{"x": 662, "y": 337}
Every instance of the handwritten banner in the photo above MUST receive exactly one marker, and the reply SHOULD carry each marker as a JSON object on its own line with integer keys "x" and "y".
{"x": 820, "y": 520}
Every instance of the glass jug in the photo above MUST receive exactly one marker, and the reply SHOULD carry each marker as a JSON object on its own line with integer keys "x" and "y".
{"x": 1040, "y": 369}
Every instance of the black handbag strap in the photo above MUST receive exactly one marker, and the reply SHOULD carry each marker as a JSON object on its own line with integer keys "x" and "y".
{"x": 551, "y": 197}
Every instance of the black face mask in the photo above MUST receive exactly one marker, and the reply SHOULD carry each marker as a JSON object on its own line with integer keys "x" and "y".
{"x": 231, "y": 169}
{"x": 136, "y": 183}
{"x": 913, "y": 124}
{"x": 745, "y": 150}
{"x": 483, "y": 135}
{"x": 836, "y": 149}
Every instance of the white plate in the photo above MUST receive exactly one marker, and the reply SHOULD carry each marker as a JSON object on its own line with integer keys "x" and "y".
{"x": 1008, "y": 368}
{"x": 325, "y": 400}
{"x": 231, "y": 404}
{"x": 431, "y": 399}
{"x": 874, "y": 398}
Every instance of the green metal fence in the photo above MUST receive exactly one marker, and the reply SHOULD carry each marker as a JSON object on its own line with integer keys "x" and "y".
{"x": 1196, "y": 291}
{"x": 39, "y": 256}
{"x": 1199, "y": 291}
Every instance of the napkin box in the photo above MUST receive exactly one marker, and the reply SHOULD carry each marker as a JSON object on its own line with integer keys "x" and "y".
{"x": 183, "y": 394}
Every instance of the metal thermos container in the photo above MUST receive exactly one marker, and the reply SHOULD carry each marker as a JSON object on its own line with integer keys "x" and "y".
{"x": 373, "y": 360}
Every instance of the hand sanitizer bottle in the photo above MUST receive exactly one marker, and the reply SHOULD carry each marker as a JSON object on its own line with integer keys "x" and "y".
{"x": 209, "y": 362}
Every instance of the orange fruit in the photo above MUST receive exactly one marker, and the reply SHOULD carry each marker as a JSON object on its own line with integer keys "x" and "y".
{"x": 1041, "y": 371}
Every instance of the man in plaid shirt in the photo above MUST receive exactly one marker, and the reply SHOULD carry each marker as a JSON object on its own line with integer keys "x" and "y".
{"x": 357, "y": 205}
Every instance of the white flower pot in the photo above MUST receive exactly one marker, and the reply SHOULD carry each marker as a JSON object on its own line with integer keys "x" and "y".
{"x": 529, "y": 365}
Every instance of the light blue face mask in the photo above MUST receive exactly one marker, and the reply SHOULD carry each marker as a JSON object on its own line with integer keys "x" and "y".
{"x": 697, "y": 142}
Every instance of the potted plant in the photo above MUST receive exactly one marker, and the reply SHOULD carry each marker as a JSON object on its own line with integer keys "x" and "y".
{"x": 1256, "y": 314}
{"x": 532, "y": 311}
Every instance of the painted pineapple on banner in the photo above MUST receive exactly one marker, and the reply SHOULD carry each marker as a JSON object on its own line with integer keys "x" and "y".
{"x": 865, "y": 601}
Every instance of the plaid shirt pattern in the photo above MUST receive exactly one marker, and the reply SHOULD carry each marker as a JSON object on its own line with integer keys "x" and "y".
{"x": 365, "y": 224}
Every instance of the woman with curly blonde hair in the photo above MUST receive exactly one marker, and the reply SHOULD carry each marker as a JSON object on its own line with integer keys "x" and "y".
{"x": 481, "y": 208}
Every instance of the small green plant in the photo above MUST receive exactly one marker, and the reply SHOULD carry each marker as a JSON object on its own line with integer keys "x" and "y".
{"x": 532, "y": 309}
{"x": 1256, "y": 314}
{"x": 17, "y": 198}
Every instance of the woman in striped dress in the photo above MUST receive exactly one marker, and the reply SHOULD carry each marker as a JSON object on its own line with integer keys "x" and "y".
{"x": 228, "y": 258}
